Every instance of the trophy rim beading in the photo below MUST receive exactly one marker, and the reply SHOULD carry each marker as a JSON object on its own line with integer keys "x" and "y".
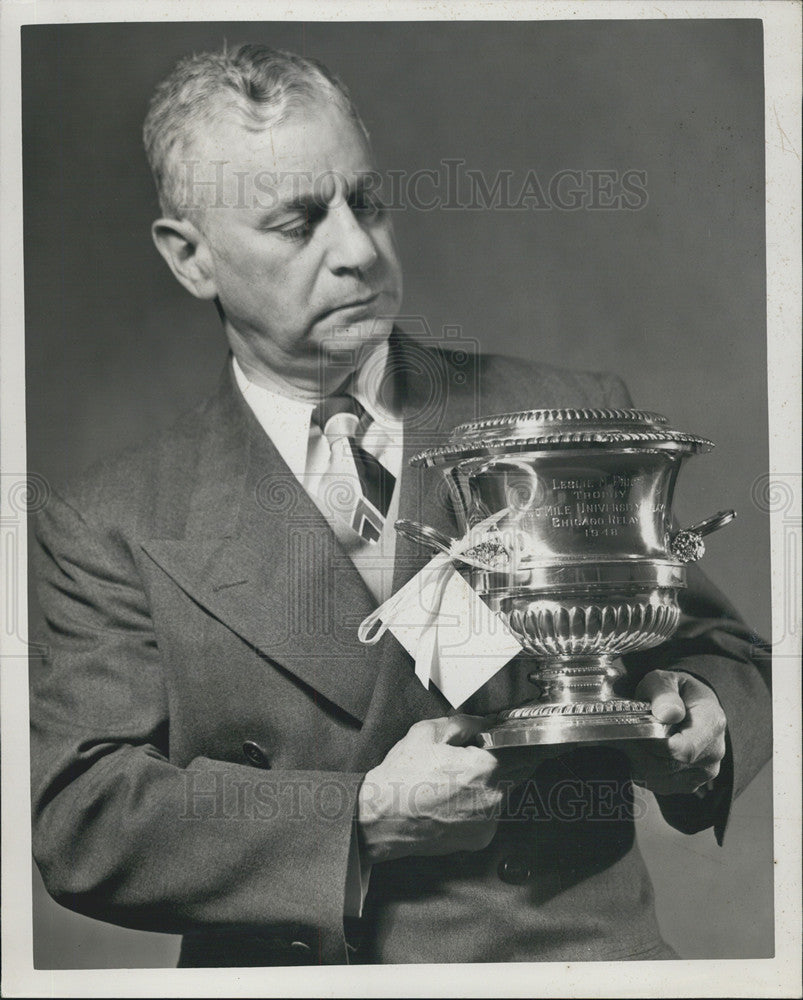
{"x": 558, "y": 415}
{"x": 554, "y": 429}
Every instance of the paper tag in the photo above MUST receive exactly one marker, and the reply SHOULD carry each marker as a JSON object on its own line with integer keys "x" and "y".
{"x": 454, "y": 637}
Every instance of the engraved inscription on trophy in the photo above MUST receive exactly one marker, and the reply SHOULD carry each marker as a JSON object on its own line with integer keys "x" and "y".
{"x": 600, "y": 507}
{"x": 587, "y": 512}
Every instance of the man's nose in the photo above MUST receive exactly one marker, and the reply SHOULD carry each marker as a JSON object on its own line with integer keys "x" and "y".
{"x": 351, "y": 246}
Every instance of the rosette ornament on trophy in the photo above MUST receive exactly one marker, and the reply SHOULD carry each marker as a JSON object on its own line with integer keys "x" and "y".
{"x": 581, "y": 559}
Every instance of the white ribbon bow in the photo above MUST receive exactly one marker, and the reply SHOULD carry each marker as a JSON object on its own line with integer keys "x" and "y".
{"x": 425, "y": 592}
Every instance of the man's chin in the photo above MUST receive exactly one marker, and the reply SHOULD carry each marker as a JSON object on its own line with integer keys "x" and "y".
{"x": 361, "y": 336}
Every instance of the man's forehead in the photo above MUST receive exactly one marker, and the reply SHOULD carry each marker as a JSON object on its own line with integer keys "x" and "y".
{"x": 308, "y": 141}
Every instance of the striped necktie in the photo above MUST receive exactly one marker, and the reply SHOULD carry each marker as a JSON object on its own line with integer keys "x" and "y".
{"x": 356, "y": 487}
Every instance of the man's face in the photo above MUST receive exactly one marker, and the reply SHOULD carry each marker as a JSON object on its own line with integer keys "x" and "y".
{"x": 302, "y": 258}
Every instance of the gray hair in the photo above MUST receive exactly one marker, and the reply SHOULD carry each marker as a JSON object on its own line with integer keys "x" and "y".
{"x": 262, "y": 84}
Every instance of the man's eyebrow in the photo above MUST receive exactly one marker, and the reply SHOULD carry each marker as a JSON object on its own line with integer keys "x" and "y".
{"x": 308, "y": 204}
{"x": 312, "y": 204}
{"x": 303, "y": 203}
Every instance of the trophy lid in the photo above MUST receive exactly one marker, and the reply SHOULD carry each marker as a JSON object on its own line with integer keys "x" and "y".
{"x": 561, "y": 429}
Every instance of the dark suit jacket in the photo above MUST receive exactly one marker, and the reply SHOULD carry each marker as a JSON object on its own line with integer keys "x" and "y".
{"x": 207, "y": 714}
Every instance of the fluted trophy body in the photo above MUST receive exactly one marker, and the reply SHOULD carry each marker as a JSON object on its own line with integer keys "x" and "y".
{"x": 582, "y": 561}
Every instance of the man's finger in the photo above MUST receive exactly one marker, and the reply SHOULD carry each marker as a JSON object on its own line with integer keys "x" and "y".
{"x": 644, "y": 754}
{"x": 701, "y": 737}
{"x": 681, "y": 783}
{"x": 661, "y": 688}
{"x": 457, "y": 730}
{"x": 698, "y": 743}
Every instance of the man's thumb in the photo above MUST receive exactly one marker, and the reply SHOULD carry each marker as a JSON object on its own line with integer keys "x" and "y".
{"x": 661, "y": 689}
{"x": 460, "y": 730}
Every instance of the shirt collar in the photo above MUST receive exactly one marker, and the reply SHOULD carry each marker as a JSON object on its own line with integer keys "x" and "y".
{"x": 286, "y": 420}
{"x": 365, "y": 385}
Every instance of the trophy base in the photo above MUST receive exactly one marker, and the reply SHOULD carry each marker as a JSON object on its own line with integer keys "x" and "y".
{"x": 540, "y": 723}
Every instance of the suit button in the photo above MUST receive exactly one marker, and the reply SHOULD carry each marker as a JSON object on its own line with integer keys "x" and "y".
{"x": 300, "y": 946}
{"x": 514, "y": 870}
{"x": 255, "y": 755}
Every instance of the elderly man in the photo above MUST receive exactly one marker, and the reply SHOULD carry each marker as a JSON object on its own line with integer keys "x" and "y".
{"x": 214, "y": 752}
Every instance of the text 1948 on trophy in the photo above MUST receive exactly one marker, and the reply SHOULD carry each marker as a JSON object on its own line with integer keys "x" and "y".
{"x": 581, "y": 561}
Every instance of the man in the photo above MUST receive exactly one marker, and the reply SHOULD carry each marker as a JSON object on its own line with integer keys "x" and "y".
{"x": 214, "y": 753}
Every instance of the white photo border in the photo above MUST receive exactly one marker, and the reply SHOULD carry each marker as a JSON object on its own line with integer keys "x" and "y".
{"x": 779, "y": 976}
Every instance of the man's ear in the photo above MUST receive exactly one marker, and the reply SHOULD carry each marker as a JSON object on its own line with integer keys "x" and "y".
{"x": 183, "y": 247}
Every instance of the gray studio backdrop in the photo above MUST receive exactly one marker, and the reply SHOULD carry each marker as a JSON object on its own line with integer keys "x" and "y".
{"x": 667, "y": 290}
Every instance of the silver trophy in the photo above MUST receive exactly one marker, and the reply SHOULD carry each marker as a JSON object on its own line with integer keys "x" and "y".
{"x": 581, "y": 559}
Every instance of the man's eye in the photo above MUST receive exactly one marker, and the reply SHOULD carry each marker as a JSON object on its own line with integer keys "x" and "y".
{"x": 299, "y": 232}
{"x": 302, "y": 227}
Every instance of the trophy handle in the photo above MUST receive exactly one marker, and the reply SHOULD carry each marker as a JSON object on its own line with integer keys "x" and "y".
{"x": 687, "y": 545}
{"x": 422, "y": 534}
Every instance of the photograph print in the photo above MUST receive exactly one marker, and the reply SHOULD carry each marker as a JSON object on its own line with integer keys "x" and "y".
{"x": 376, "y": 614}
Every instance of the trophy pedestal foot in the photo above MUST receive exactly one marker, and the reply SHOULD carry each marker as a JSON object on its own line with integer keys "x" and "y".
{"x": 542, "y": 723}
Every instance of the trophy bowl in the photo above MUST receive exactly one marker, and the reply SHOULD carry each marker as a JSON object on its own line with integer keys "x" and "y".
{"x": 576, "y": 552}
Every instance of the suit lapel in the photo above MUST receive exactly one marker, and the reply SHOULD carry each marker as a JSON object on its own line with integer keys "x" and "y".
{"x": 259, "y": 556}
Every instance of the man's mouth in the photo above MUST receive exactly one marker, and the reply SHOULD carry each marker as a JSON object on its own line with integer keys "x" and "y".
{"x": 353, "y": 304}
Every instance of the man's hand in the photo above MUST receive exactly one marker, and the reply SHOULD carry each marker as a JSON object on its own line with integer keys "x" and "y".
{"x": 434, "y": 794}
{"x": 693, "y": 753}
